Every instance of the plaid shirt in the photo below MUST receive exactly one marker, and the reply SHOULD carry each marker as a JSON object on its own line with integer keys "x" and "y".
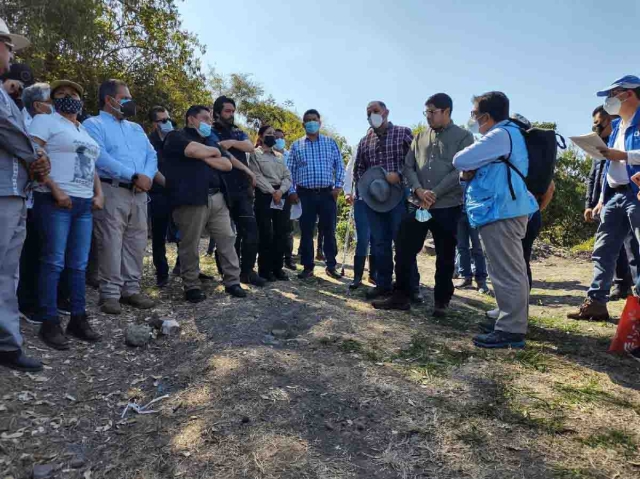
{"x": 316, "y": 164}
{"x": 387, "y": 151}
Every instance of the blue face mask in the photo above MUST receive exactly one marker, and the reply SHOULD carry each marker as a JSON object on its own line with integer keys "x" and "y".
{"x": 422, "y": 216}
{"x": 280, "y": 144}
{"x": 166, "y": 127}
{"x": 312, "y": 127}
{"x": 204, "y": 129}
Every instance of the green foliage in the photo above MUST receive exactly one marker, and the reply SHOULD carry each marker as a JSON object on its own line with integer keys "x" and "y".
{"x": 88, "y": 41}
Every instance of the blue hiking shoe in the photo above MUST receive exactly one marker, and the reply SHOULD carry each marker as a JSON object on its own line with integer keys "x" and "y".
{"x": 499, "y": 340}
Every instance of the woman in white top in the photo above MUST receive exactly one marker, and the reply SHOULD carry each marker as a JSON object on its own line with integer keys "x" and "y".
{"x": 273, "y": 181}
{"x": 62, "y": 209}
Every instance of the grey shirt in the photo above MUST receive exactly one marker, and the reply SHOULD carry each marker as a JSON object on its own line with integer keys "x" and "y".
{"x": 16, "y": 149}
{"x": 429, "y": 163}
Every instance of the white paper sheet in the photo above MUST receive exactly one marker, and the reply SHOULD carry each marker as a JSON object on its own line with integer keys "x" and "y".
{"x": 588, "y": 144}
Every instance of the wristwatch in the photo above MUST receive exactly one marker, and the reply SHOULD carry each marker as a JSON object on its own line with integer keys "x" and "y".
{"x": 135, "y": 177}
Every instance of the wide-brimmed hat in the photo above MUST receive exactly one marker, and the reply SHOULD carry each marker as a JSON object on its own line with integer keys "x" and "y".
{"x": 60, "y": 83}
{"x": 19, "y": 42}
{"x": 377, "y": 192}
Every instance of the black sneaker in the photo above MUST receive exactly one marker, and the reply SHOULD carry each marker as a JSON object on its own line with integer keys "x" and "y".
{"x": 332, "y": 273}
{"x": 280, "y": 275}
{"x": 487, "y": 327}
{"x": 397, "y": 301}
{"x": 417, "y": 297}
{"x": 18, "y": 361}
{"x": 80, "y": 327}
{"x": 195, "y": 296}
{"x": 162, "y": 281}
{"x": 52, "y": 335}
{"x": 253, "y": 278}
{"x": 378, "y": 292}
{"x": 306, "y": 273}
{"x": 290, "y": 264}
{"x": 499, "y": 340}
{"x": 236, "y": 291}
{"x": 440, "y": 309}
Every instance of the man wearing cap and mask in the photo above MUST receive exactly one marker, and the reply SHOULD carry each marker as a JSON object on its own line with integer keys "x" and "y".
{"x": 435, "y": 186}
{"x": 126, "y": 166}
{"x": 618, "y": 207}
{"x": 629, "y": 258}
{"x": 18, "y": 161}
{"x": 378, "y": 176}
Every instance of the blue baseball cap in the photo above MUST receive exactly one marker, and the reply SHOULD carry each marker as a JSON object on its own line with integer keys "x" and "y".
{"x": 629, "y": 81}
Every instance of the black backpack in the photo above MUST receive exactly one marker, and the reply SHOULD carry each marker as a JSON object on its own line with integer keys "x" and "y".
{"x": 542, "y": 147}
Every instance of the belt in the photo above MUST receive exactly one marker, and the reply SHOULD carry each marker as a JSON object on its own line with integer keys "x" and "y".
{"x": 214, "y": 191}
{"x": 622, "y": 188}
{"x": 115, "y": 183}
{"x": 326, "y": 189}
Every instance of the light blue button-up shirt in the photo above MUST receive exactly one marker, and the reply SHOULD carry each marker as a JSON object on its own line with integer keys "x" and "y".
{"x": 124, "y": 148}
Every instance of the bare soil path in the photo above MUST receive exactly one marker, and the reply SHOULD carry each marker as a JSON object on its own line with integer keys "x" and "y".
{"x": 304, "y": 380}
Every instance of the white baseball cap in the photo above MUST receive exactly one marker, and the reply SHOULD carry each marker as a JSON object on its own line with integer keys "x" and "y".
{"x": 19, "y": 42}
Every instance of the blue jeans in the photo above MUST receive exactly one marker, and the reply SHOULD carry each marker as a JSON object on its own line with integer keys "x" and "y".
{"x": 363, "y": 231}
{"x": 464, "y": 254}
{"x": 384, "y": 230}
{"x": 620, "y": 212}
{"x": 66, "y": 240}
{"x": 320, "y": 206}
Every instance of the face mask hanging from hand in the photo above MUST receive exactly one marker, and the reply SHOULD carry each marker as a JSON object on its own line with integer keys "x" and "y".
{"x": 422, "y": 215}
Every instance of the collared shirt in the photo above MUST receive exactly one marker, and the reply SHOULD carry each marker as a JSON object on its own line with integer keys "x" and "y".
{"x": 316, "y": 164}
{"x": 387, "y": 150}
{"x": 617, "y": 175}
{"x": 271, "y": 171}
{"x": 124, "y": 148}
{"x": 429, "y": 163}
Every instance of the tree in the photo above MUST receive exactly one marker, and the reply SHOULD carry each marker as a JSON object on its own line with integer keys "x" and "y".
{"x": 140, "y": 42}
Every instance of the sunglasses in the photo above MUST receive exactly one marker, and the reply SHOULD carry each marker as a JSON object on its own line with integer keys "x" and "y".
{"x": 164, "y": 120}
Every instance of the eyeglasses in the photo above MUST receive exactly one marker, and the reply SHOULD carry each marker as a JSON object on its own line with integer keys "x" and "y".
{"x": 476, "y": 114}
{"x": 615, "y": 92}
{"x": 431, "y": 112}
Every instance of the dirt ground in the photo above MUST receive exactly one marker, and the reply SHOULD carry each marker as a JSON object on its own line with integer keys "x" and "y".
{"x": 305, "y": 380}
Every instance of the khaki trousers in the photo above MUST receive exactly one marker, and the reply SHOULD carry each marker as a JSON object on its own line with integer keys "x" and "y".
{"x": 120, "y": 234}
{"x": 502, "y": 243}
{"x": 213, "y": 218}
{"x": 13, "y": 229}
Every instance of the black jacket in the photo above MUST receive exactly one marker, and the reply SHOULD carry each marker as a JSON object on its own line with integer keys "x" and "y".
{"x": 188, "y": 179}
{"x": 157, "y": 142}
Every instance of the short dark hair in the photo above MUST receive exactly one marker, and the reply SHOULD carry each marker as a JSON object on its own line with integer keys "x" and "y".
{"x": 494, "y": 103}
{"x": 278, "y": 130}
{"x": 636, "y": 91}
{"x": 441, "y": 101}
{"x": 194, "y": 110}
{"x": 312, "y": 111}
{"x": 382, "y": 104}
{"x": 262, "y": 129}
{"x": 218, "y": 105}
{"x": 109, "y": 88}
{"x": 599, "y": 110}
{"x": 153, "y": 113}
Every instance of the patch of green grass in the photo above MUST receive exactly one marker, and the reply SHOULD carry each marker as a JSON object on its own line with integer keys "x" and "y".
{"x": 590, "y": 392}
{"x": 585, "y": 247}
{"x": 351, "y": 346}
{"x": 531, "y": 358}
{"x": 426, "y": 358}
{"x": 370, "y": 352}
{"x": 613, "y": 439}
{"x": 560, "y": 324}
{"x": 561, "y": 472}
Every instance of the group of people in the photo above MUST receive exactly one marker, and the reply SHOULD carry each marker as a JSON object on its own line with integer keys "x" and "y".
{"x": 81, "y": 190}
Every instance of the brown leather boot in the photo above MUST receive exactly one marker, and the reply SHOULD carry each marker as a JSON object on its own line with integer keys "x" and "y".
{"x": 80, "y": 327}
{"x": 591, "y": 311}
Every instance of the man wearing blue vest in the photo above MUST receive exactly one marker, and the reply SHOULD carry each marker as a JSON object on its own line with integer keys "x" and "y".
{"x": 500, "y": 215}
{"x": 618, "y": 207}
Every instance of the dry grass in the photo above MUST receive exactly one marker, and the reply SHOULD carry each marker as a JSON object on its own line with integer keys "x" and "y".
{"x": 343, "y": 391}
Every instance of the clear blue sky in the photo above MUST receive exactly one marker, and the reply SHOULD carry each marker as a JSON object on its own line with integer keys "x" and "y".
{"x": 548, "y": 56}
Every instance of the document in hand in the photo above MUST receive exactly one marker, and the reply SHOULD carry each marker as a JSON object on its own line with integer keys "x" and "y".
{"x": 277, "y": 206}
{"x": 589, "y": 143}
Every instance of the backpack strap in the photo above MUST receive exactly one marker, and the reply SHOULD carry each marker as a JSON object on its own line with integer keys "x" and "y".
{"x": 511, "y": 166}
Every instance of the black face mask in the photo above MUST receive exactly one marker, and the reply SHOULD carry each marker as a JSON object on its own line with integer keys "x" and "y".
{"x": 269, "y": 141}
{"x": 129, "y": 109}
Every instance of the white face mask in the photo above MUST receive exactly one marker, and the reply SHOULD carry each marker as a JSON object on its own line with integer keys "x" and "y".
{"x": 612, "y": 105}
{"x": 473, "y": 126}
{"x": 376, "y": 120}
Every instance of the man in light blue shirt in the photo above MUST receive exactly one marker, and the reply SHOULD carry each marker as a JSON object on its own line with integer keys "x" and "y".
{"x": 126, "y": 167}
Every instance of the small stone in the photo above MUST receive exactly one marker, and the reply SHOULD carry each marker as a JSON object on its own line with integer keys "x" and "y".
{"x": 137, "y": 335}
{"x": 43, "y": 471}
{"x": 246, "y": 420}
{"x": 77, "y": 462}
{"x": 170, "y": 327}
{"x": 329, "y": 426}
{"x": 270, "y": 339}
